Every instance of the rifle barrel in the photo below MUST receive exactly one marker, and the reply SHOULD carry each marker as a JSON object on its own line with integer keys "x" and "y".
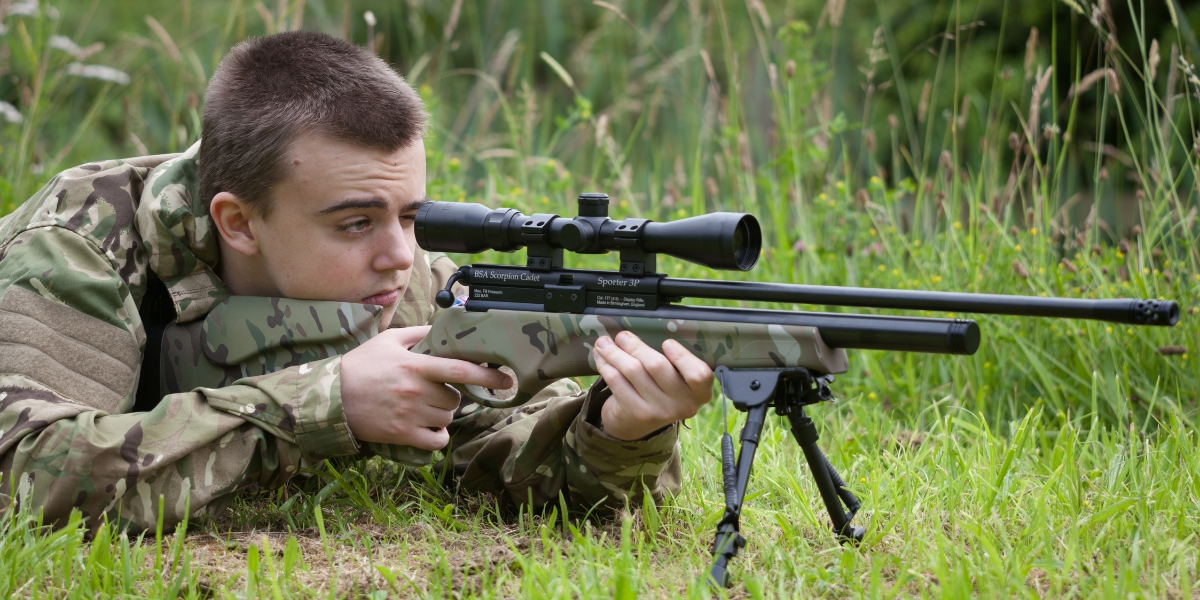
{"x": 1124, "y": 310}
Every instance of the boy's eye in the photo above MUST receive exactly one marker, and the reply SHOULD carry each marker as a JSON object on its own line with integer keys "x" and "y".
{"x": 358, "y": 226}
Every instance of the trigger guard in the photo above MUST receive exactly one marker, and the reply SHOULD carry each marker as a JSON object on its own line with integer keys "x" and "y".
{"x": 481, "y": 399}
{"x": 465, "y": 390}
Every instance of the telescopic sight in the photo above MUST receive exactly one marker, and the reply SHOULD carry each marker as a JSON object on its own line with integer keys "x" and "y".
{"x": 719, "y": 240}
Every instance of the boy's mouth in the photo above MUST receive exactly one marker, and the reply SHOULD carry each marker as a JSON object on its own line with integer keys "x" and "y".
{"x": 383, "y": 299}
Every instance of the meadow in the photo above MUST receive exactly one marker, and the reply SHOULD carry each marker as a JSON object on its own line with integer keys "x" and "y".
{"x": 1044, "y": 149}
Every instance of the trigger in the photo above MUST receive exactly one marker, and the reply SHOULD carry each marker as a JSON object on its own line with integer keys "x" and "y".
{"x": 492, "y": 366}
{"x": 501, "y": 394}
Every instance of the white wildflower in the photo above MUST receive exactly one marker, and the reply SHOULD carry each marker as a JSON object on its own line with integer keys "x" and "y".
{"x": 101, "y": 72}
{"x": 30, "y": 8}
{"x": 23, "y": 8}
{"x": 369, "y": 17}
{"x": 66, "y": 44}
{"x": 10, "y": 112}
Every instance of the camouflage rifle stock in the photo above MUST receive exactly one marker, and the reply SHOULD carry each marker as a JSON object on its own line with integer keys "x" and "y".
{"x": 541, "y": 321}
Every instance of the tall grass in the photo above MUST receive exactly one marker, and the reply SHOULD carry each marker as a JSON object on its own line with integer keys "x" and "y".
{"x": 943, "y": 146}
{"x": 1069, "y": 170}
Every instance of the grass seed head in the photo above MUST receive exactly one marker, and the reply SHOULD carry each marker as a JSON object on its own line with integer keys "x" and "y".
{"x": 1155, "y": 58}
{"x": 1030, "y": 52}
{"x": 923, "y": 105}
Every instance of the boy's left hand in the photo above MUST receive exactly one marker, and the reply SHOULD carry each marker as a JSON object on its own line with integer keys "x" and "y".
{"x": 650, "y": 390}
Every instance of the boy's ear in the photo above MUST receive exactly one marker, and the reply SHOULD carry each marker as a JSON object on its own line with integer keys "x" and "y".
{"x": 232, "y": 217}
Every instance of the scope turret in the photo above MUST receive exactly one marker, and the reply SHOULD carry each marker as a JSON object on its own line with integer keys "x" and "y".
{"x": 719, "y": 240}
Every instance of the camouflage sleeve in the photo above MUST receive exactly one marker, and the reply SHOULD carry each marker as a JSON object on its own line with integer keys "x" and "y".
{"x": 552, "y": 445}
{"x": 66, "y": 375}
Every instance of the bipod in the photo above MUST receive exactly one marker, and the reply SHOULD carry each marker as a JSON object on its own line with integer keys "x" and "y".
{"x": 755, "y": 391}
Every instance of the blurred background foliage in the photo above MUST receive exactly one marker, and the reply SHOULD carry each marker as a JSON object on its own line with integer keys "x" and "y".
{"x": 980, "y": 145}
{"x": 666, "y": 80}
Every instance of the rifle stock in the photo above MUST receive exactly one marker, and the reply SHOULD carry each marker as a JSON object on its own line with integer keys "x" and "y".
{"x": 543, "y": 347}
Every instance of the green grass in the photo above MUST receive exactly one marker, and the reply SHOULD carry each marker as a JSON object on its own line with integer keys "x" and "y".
{"x": 1036, "y": 508}
{"x": 1060, "y": 460}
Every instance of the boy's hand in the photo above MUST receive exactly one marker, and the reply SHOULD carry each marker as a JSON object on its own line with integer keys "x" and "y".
{"x": 394, "y": 396}
{"x": 649, "y": 389}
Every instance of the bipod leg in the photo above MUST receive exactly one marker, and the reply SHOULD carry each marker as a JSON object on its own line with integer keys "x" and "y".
{"x": 729, "y": 539}
{"x": 829, "y": 483}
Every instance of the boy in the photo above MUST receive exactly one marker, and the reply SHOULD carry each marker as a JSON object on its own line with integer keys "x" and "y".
{"x": 302, "y": 193}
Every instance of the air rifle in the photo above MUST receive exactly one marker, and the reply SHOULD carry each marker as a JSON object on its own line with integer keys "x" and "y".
{"x": 541, "y": 321}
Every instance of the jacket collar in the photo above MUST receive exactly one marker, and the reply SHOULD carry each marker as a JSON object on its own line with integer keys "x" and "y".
{"x": 180, "y": 238}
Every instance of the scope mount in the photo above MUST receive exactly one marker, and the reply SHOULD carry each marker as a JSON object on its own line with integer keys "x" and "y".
{"x": 579, "y": 234}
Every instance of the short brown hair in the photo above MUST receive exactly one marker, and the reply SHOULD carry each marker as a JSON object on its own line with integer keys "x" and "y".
{"x": 268, "y": 90}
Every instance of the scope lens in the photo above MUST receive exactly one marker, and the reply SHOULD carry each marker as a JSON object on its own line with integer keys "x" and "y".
{"x": 747, "y": 242}
{"x": 719, "y": 240}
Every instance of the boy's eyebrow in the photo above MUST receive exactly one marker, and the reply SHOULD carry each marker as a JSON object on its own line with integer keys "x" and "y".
{"x": 354, "y": 203}
{"x": 372, "y": 202}
{"x": 414, "y": 204}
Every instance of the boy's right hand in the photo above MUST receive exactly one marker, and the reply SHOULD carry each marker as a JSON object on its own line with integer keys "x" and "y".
{"x": 394, "y": 396}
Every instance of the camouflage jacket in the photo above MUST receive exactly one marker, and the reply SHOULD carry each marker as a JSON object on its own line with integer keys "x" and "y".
{"x": 243, "y": 412}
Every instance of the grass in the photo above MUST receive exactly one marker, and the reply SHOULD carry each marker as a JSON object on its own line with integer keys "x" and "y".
{"x": 959, "y": 509}
{"x": 896, "y": 146}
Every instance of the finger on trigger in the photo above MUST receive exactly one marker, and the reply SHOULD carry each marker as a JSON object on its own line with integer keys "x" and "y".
{"x": 452, "y": 370}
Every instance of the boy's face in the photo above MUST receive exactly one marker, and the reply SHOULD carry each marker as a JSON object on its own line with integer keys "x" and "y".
{"x": 341, "y": 224}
